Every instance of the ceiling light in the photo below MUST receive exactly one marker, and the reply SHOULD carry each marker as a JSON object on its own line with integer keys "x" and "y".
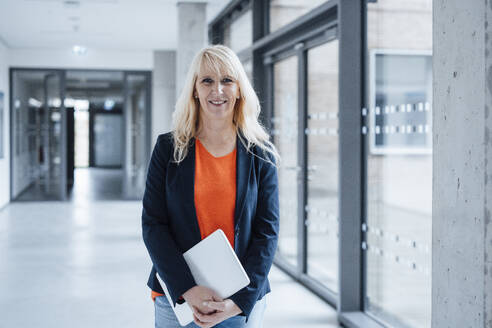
{"x": 77, "y": 104}
{"x": 71, "y": 3}
{"x": 34, "y": 103}
{"x": 79, "y": 50}
{"x": 109, "y": 104}
{"x": 54, "y": 102}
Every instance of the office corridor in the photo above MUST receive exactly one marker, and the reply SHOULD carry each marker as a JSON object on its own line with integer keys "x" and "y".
{"x": 83, "y": 264}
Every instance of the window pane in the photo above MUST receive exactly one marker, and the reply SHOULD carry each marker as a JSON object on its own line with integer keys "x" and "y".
{"x": 399, "y": 162}
{"x": 322, "y": 182}
{"x": 136, "y": 109}
{"x": 283, "y": 12}
{"x": 239, "y": 34}
{"x": 248, "y": 68}
{"x": 37, "y": 136}
{"x": 285, "y": 138}
{"x": 404, "y": 80}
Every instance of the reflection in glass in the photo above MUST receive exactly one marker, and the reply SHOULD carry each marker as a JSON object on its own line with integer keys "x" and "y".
{"x": 322, "y": 160}
{"x": 239, "y": 34}
{"x": 402, "y": 95}
{"x": 399, "y": 179}
{"x": 248, "y": 68}
{"x": 37, "y": 119}
{"x": 54, "y": 136}
{"x": 285, "y": 138}
{"x": 136, "y": 106}
{"x": 283, "y": 12}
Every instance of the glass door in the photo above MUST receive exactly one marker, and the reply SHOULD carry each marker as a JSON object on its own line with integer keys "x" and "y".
{"x": 285, "y": 137}
{"x": 322, "y": 142}
{"x": 39, "y": 142}
{"x": 55, "y": 137}
{"x": 137, "y": 133}
{"x": 305, "y": 131}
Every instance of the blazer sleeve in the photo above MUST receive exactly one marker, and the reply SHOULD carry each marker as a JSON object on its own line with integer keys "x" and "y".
{"x": 164, "y": 253}
{"x": 264, "y": 238}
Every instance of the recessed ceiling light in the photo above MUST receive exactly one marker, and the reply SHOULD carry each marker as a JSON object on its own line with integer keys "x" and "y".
{"x": 79, "y": 50}
{"x": 34, "y": 103}
{"x": 71, "y": 3}
{"x": 109, "y": 104}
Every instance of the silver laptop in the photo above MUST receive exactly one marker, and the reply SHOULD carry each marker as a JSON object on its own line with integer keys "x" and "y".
{"x": 214, "y": 264}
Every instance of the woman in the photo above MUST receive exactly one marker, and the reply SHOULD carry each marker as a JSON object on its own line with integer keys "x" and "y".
{"x": 216, "y": 169}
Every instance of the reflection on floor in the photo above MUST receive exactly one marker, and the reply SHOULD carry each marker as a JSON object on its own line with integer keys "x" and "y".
{"x": 38, "y": 190}
{"x": 83, "y": 264}
{"x": 97, "y": 184}
{"x": 292, "y": 306}
{"x": 89, "y": 183}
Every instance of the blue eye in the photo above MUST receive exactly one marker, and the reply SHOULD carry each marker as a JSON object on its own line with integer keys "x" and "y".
{"x": 207, "y": 80}
{"x": 227, "y": 80}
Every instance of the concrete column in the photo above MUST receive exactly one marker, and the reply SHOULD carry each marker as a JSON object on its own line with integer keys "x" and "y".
{"x": 192, "y": 36}
{"x": 462, "y": 155}
{"x": 163, "y": 92}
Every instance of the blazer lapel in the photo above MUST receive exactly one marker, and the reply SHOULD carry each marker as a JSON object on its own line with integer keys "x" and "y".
{"x": 243, "y": 170}
{"x": 187, "y": 173}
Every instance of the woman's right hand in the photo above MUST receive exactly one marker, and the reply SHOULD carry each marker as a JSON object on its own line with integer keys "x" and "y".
{"x": 196, "y": 295}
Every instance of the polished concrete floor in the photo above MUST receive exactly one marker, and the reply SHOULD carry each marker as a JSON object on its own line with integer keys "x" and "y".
{"x": 82, "y": 263}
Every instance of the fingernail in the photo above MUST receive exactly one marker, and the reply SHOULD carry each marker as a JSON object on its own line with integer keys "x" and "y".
{"x": 205, "y": 303}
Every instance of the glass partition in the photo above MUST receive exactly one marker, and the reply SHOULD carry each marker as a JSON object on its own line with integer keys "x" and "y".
{"x": 283, "y": 12}
{"x": 285, "y": 125}
{"x": 399, "y": 162}
{"x": 322, "y": 164}
{"x": 248, "y": 68}
{"x": 39, "y": 136}
{"x": 136, "y": 116}
{"x": 238, "y": 35}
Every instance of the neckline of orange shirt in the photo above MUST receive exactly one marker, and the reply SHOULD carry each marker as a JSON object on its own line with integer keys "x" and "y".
{"x": 210, "y": 154}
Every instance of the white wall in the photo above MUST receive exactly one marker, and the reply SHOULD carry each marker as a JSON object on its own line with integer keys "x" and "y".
{"x": 95, "y": 59}
{"x": 4, "y": 162}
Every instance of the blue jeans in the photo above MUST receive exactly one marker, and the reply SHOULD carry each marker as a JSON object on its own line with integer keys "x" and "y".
{"x": 165, "y": 318}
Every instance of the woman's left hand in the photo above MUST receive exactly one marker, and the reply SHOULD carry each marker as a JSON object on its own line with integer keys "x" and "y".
{"x": 224, "y": 310}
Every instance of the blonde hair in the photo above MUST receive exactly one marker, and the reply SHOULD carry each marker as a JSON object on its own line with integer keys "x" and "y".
{"x": 222, "y": 60}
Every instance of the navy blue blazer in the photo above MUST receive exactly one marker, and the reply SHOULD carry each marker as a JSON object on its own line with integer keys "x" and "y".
{"x": 170, "y": 226}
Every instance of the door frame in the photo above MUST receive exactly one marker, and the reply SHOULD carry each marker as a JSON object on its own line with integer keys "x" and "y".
{"x": 148, "y": 122}
{"x": 63, "y": 132}
{"x": 63, "y": 72}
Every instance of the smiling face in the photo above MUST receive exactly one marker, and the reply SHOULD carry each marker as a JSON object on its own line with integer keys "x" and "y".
{"x": 217, "y": 93}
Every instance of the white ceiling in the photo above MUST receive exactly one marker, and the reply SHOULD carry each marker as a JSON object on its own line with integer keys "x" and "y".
{"x": 99, "y": 24}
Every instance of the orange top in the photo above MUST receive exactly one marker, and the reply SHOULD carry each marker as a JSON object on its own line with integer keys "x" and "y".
{"x": 215, "y": 193}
